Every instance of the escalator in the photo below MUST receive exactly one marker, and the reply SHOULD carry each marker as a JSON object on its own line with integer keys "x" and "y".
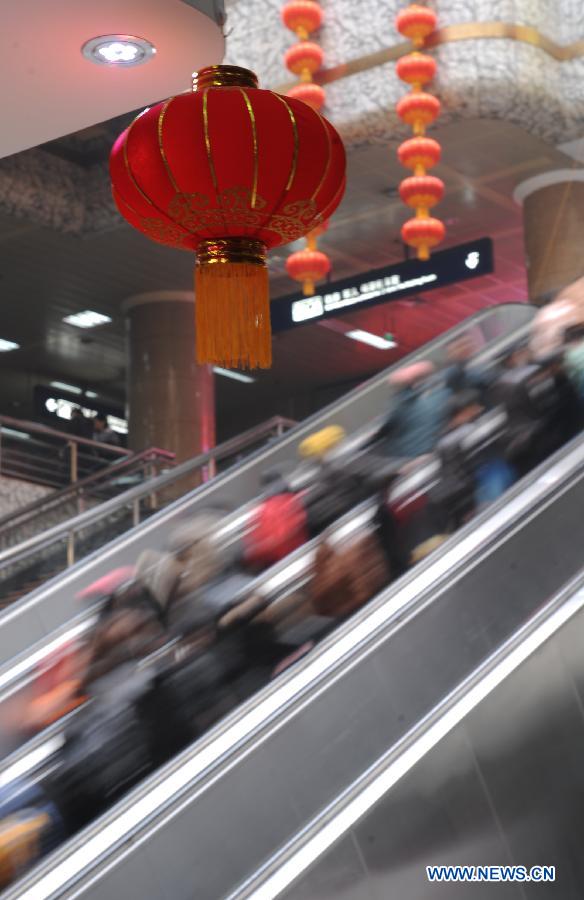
{"x": 226, "y": 816}
{"x": 486, "y": 792}
{"x": 36, "y": 618}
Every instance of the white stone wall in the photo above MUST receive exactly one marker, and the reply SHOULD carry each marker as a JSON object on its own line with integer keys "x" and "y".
{"x": 15, "y": 494}
{"x": 481, "y": 78}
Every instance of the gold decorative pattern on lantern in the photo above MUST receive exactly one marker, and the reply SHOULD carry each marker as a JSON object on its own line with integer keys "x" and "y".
{"x": 234, "y": 207}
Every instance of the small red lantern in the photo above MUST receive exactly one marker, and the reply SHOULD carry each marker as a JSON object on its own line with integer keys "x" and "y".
{"x": 309, "y": 93}
{"x": 302, "y": 17}
{"x": 308, "y": 266}
{"x": 419, "y": 154}
{"x": 416, "y": 23}
{"x": 422, "y": 191}
{"x": 230, "y": 171}
{"x": 416, "y": 69}
{"x": 418, "y": 110}
{"x": 423, "y": 233}
{"x": 304, "y": 59}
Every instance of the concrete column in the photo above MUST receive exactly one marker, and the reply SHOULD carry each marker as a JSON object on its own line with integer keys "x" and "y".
{"x": 553, "y": 220}
{"x": 171, "y": 399}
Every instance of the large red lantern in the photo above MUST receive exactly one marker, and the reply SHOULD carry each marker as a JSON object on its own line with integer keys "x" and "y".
{"x": 418, "y": 110}
{"x": 229, "y": 171}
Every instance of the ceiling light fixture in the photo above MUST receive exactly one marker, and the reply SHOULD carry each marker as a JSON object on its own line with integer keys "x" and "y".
{"x": 237, "y": 376}
{"x": 5, "y": 346}
{"x": 118, "y": 50}
{"x": 374, "y": 340}
{"x": 66, "y": 387}
{"x": 91, "y": 395}
{"x": 87, "y": 319}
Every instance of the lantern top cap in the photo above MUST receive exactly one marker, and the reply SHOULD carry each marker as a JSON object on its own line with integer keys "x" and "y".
{"x": 224, "y": 76}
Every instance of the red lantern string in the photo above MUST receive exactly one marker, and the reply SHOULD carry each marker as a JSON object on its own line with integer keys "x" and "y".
{"x": 418, "y": 110}
{"x": 304, "y": 59}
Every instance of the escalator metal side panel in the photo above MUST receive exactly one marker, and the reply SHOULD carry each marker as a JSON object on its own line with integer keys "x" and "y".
{"x": 503, "y": 787}
{"x": 49, "y": 607}
{"x": 212, "y": 831}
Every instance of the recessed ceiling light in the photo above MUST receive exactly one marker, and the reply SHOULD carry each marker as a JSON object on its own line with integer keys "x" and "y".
{"x": 91, "y": 395}
{"x": 118, "y": 50}
{"x": 66, "y": 387}
{"x": 374, "y": 340}
{"x": 230, "y": 373}
{"x": 87, "y": 319}
{"x": 5, "y": 346}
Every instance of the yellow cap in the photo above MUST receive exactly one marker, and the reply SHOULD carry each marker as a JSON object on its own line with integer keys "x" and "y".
{"x": 320, "y": 443}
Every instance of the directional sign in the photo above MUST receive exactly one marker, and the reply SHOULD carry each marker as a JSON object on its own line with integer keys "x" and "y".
{"x": 381, "y": 285}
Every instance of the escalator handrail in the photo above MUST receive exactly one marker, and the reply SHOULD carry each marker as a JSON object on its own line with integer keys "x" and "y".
{"x": 139, "y": 492}
{"x": 155, "y": 799}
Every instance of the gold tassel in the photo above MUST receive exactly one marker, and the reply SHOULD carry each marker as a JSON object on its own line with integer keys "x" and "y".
{"x": 232, "y": 303}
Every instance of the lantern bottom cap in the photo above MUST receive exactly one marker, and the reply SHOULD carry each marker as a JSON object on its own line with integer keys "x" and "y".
{"x": 231, "y": 250}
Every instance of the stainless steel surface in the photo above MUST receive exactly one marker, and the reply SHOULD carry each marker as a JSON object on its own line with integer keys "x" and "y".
{"x": 494, "y": 778}
{"x": 218, "y": 812}
{"x": 51, "y": 606}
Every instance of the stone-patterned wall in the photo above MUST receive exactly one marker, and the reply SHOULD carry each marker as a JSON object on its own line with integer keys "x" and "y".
{"x": 501, "y": 79}
{"x": 498, "y": 78}
{"x": 15, "y": 494}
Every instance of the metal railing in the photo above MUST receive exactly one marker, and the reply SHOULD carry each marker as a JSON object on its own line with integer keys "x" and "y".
{"x": 56, "y": 506}
{"x": 46, "y": 456}
{"x": 126, "y": 510}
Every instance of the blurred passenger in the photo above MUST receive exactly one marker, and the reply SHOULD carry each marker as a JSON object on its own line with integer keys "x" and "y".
{"x": 459, "y": 375}
{"x": 419, "y": 412}
{"x": 542, "y": 408}
{"x": 31, "y": 826}
{"x": 102, "y": 433}
{"x": 453, "y": 498}
{"x": 476, "y": 440}
{"x": 80, "y": 425}
{"x": 516, "y": 357}
{"x": 343, "y": 475}
{"x": 345, "y": 578}
{"x": 574, "y": 360}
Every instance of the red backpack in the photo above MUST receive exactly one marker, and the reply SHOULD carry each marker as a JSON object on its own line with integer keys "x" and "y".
{"x": 278, "y": 528}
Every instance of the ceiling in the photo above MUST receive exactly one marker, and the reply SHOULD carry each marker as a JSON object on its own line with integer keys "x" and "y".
{"x": 41, "y": 66}
{"x": 45, "y": 275}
